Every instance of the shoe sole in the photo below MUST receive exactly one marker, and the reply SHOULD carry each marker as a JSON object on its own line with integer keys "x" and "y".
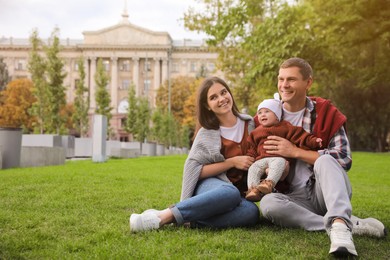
{"x": 343, "y": 252}
{"x": 132, "y": 220}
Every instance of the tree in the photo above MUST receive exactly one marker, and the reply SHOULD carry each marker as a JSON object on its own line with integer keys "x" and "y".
{"x": 181, "y": 90}
{"x": 157, "y": 133}
{"x": 131, "y": 117}
{"x": 15, "y": 102}
{"x": 142, "y": 127}
{"x": 81, "y": 102}
{"x": 4, "y": 78}
{"x": 102, "y": 96}
{"x": 361, "y": 32}
{"x": 347, "y": 43}
{"x": 56, "y": 89}
{"x": 37, "y": 69}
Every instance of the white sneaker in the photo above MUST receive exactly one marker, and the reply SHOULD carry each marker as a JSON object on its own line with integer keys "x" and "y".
{"x": 341, "y": 242}
{"x": 368, "y": 226}
{"x": 146, "y": 221}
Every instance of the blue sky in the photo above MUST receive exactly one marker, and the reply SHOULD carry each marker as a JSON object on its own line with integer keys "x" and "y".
{"x": 19, "y": 17}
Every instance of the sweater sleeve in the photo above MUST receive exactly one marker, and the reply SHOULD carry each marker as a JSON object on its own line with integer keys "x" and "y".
{"x": 205, "y": 150}
{"x": 298, "y": 136}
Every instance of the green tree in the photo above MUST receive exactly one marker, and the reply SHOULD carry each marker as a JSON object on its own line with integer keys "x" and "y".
{"x": 131, "y": 116}
{"x": 4, "y": 77}
{"x": 157, "y": 126}
{"x": 346, "y": 42}
{"x": 169, "y": 130}
{"x": 56, "y": 89}
{"x": 358, "y": 36}
{"x": 81, "y": 102}
{"x": 102, "y": 96}
{"x": 142, "y": 128}
{"x": 37, "y": 69}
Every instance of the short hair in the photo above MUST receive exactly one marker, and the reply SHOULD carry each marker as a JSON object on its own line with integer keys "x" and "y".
{"x": 206, "y": 117}
{"x": 304, "y": 67}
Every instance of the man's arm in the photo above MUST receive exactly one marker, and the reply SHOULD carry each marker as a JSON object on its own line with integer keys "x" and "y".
{"x": 283, "y": 147}
{"x": 338, "y": 148}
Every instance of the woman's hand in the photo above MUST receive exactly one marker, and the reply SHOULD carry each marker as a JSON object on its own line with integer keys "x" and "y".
{"x": 242, "y": 162}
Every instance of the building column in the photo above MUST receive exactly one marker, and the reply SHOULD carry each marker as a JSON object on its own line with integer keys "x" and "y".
{"x": 114, "y": 84}
{"x": 92, "y": 85}
{"x": 164, "y": 69}
{"x": 87, "y": 73}
{"x": 69, "y": 77}
{"x": 156, "y": 76}
{"x": 136, "y": 75}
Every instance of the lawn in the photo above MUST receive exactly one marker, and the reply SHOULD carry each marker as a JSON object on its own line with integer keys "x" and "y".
{"x": 81, "y": 210}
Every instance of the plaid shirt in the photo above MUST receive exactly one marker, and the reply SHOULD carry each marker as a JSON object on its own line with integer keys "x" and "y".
{"x": 338, "y": 147}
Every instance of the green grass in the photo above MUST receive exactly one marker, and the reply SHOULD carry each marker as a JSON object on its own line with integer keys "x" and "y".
{"x": 80, "y": 210}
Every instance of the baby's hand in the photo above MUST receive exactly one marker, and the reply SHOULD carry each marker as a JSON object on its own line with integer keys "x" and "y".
{"x": 319, "y": 140}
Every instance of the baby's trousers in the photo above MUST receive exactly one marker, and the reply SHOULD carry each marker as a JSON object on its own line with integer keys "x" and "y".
{"x": 256, "y": 172}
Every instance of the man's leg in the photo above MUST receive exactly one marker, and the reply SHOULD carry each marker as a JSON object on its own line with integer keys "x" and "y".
{"x": 291, "y": 210}
{"x": 331, "y": 194}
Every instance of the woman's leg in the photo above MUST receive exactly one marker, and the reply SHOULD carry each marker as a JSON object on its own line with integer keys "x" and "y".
{"x": 244, "y": 215}
{"x": 216, "y": 204}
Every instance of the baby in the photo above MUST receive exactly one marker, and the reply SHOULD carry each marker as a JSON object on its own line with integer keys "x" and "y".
{"x": 269, "y": 115}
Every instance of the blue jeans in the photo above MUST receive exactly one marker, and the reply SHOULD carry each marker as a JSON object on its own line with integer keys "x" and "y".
{"x": 216, "y": 204}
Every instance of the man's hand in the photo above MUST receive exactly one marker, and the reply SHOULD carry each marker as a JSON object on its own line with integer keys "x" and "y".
{"x": 280, "y": 146}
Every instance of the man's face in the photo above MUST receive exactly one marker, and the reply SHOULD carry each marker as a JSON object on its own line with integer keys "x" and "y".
{"x": 291, "y": 85}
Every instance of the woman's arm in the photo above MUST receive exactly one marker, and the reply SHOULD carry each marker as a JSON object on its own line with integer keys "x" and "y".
{"x": 240, "y": 162}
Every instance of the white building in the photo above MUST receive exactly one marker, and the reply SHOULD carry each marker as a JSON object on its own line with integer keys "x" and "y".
{"x": 130, "y": 54}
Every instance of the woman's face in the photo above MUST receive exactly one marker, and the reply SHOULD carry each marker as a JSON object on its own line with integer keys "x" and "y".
{"x": 219, "y": 99}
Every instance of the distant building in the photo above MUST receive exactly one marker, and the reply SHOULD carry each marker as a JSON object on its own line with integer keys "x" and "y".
{"x": 130, "y": 54}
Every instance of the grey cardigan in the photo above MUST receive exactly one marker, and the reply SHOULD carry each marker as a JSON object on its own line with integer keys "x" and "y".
{"x": 206, "y": 149}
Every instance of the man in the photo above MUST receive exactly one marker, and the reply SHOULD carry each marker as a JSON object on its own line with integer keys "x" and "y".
{"x": 320, "y": 191}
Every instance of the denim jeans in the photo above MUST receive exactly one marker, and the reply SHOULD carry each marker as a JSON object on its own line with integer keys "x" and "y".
{"x": 216, "y": 204}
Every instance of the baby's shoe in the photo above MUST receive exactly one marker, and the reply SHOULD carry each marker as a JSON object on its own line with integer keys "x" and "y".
{"x": 266, "y": 186}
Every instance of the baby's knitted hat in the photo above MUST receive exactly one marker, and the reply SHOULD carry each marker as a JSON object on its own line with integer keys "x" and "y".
{"x": 272, "y": 104}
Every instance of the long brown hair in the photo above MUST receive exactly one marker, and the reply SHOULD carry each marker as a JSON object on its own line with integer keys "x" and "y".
{"x": 207, "y": 118}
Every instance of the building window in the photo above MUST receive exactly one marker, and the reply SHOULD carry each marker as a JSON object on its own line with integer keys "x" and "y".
{"x": 123, "y": 107}
{"x": 211, "y": 67}
{"x": 193, "y": 67}
{"x": 75, "y": 83}
{"x": 76, "y": 66}
{"x": 20, "y": 64}
{"x": 125, "y": 65}
{"x": 125, "y": 84}
{"x": 146, "y": 85}
{"x": 147, "y": 66}
{"x": 106, "y": 65}
{"x": 175, "y": 67}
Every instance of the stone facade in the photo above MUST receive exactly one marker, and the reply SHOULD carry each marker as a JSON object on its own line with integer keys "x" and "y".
{"x": 130, "y": 54}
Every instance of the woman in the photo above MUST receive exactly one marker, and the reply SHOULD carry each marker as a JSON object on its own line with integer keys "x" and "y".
{"x": 214, "y": 178}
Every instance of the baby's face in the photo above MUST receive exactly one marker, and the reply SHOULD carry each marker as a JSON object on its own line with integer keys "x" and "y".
{"x": 266, "y": 117}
